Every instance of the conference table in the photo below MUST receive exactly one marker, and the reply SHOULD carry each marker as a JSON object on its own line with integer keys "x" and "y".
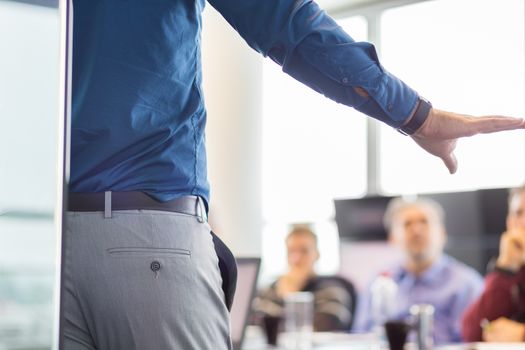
{"x": 255, "y": 340}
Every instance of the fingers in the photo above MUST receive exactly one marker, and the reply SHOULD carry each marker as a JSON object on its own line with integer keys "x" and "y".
{"x": 512, "y": 250}
{"x": 516, "y": 236}
{"x": 451, "y": 162}
{"x": 449, "y": 125}
{"x": 485, "y": 125}
{"x": 439, "y": 134}
{"x": 516, "y": 243}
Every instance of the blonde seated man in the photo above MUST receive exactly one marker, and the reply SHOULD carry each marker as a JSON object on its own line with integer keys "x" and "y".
{"x": 334, "y": 297}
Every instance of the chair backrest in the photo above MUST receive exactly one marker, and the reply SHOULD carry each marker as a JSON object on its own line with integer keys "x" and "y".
{"x": 349, "y": 287}
{"x": 338, "y": 281}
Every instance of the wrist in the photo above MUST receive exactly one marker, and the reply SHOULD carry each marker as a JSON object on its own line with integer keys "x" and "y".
{"x": 417, "y": 118}
{"x": 412, "y": 112}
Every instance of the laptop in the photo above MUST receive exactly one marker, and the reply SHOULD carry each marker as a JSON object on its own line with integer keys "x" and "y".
{"x": 247, "y": 273}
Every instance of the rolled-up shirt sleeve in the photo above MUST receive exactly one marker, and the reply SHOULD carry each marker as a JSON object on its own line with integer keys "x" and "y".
{"x": 312, "y": 48}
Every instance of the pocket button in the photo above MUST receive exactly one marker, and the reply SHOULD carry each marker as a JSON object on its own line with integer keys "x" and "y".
{"x": 155, "y": 266}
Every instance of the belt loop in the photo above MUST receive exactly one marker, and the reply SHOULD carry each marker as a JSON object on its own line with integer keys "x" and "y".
{"x": 200, "y": 210}
{"x": 107, "y": 204}
{"x": 203, "y": 210}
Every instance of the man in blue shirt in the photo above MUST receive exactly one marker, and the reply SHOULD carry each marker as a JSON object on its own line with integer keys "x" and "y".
{"x": 425, "y": 275}
{"x": 141, "y": 270}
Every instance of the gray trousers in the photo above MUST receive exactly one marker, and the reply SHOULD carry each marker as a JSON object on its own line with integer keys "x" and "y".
{"x": 144, "y": 280}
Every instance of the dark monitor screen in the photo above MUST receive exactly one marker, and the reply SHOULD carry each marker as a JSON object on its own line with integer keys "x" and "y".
{"x": 494, "y": 208}
{"x": 463, "y": 216}
{"x": 467, "y": 213}
{"x": 474, "y": 221}
{"x": 478, "y": 212}
{"x": 361, "y": 219}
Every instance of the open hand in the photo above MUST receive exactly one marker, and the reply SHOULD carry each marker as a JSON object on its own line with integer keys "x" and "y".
{"x": 440, "y": 132}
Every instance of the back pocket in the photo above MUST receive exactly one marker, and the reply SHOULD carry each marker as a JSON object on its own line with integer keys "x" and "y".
{"x": 123, "y": 252}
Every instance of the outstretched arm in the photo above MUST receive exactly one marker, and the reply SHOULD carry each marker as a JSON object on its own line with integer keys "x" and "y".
{"x": 312, "y": 48}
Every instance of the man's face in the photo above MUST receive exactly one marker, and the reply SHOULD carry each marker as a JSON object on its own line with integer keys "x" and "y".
{"x": 302, "y": 252}
{"x": 418, "y": 232}
{"x": 516, "y": 217}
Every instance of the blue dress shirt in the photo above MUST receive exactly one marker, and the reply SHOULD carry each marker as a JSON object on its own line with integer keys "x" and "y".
{"x": 138, "y": 113}
{"x": 449, "y": 285}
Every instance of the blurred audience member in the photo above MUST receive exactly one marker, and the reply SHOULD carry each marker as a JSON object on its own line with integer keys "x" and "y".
{"x": 425, "y": 275}
{"x": 499, "y": 313}
{"x": 334, "y": 297}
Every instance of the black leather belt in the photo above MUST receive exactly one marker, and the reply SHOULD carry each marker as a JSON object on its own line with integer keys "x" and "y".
{"x": 133, "y": 200}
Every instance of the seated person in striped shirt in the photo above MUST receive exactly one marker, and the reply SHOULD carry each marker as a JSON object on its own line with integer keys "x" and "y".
{"x": 334, "y": 297}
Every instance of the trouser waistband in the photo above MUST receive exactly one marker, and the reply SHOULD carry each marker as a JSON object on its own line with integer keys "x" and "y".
{"x": 134, "y": 200}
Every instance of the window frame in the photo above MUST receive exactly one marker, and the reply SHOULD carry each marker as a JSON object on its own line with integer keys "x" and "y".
{"x": 372, "y": 13}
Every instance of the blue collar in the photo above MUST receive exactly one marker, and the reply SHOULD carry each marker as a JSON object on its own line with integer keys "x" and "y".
{"x": 431, "y": 276}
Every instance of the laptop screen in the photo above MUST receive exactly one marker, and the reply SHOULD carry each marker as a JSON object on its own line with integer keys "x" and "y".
{"x": 247, "y": 272}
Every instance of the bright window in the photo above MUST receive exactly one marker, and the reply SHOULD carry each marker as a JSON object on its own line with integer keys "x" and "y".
{"x": 465, "y": 56}
{"x": 313, "y": 150}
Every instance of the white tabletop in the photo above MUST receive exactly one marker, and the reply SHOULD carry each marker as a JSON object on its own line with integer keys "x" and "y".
{"x": 255, "y": 340}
